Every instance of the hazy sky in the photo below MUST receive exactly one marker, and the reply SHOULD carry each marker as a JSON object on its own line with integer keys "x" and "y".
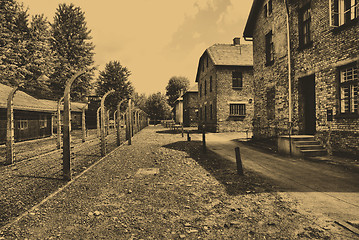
{"x": 155, "y": 39}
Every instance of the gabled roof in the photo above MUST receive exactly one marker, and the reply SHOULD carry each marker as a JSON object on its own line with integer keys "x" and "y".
{"x": 22, "y": 101}
{"x": 248, "y": 30}
{"x": 193, "y": 89}
{"x": 231, "y": 55}
{"x": 228, "y": 55}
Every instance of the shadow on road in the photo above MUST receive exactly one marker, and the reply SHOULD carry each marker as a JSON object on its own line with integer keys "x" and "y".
{"x": 225, "y": 171}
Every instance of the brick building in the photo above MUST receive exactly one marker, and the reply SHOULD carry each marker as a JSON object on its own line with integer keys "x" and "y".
{"x": 324, "y": 47}
{"x": 190, "y": 107}
{"x": 225, "y": 87}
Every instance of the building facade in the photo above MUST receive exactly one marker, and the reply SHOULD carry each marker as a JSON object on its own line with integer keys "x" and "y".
{"x": 225, "y": 88}
{"x": 324, "y": 56}
{"x": 190, "y": 107}
{"x": 179, "y": 110}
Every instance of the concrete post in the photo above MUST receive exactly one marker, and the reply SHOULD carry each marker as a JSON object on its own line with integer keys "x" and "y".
{"x": 118, "y": 121}
{"x": 98, "y": 122}
{"x": 103, "y": 116}
{"x": 10, "y": 128}
{"x": 58, "y": 143}
{"x": 83, "y": 125}
{"x": 66, "y": 124}
{"x": 129, "y": 121}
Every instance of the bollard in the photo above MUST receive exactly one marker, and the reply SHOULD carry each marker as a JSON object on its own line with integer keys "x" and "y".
{"x": 188, "y": 137}
{"x": 182, "y": 130}
{"x": 204, "y": 139}
{"x": 239, "y": 161}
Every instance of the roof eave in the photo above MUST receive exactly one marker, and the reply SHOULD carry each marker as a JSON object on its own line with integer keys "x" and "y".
{"x": 248, "y": 30}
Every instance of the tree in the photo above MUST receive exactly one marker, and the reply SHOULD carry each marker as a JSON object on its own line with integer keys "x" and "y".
{"x": 74, "y": 50}
{"x": 157, "y": 107}
{"x": 13, "y": 40}
{"x": 115, "y": 76}
{"x": 41, "y": 58}
{"x": 139, "y": 100}
{"x": 174, "y": 87}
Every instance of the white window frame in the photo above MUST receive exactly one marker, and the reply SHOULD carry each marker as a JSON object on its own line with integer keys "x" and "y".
{"x": 23, "y": 124}
{"x": 349, "y": 90}
{"x": 354, "y": 12}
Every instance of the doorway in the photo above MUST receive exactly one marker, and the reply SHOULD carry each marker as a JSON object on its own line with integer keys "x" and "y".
{"x": 307, "y": 101}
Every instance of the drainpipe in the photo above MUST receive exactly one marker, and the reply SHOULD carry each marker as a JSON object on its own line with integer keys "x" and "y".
{"x": 290, "y": 123}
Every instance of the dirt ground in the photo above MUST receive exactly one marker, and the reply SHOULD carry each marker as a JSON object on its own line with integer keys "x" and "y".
{"x": 163, "y": 187}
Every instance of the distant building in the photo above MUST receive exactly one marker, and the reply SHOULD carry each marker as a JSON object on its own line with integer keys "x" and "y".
{"x": 324, "y": 47}
{"x": 190, "y": 107}
{"x": 225, "y": 87}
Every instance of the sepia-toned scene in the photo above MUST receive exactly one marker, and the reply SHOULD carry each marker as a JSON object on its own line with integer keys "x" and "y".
{"x": 197, "y": 119}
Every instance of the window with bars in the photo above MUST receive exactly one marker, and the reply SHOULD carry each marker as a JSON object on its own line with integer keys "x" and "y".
{"x": 349, "y": 82}
{"x": 269, "y": 48}
{"x": 304, "y": 26}
{"x": 237, "y": 79}
{"x": 237, "y": 110}
{"x": 343, "y": 11}
{"x": 210, "y": 83}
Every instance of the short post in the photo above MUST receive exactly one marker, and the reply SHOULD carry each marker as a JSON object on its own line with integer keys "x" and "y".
{"x": 10, "y": 128}
{"x": 129, "y": 121}
{"x": 239, "y": 161}
{"x": 58, "y": 143}
{"x": 83, "y": 124}
{"x": 204, "y": 139}
{"x": 188, "y": 137}
{"x": 182, "y": 129}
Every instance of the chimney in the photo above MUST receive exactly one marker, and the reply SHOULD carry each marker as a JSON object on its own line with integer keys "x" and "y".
{"x": 236, "y": 41}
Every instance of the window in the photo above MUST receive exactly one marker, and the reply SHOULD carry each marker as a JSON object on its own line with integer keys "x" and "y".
{"x": 205, "y": 87}
{"x": 200, "y": 90}
{"x": 304, "y": 26}
{"x": 268, "y": 8}
{"x": 211, "y": 112}
{"x": 210, "y": 83}
{"x": 343, "y": 11}
{"x": 271, "y": 103}
{"x": 207, "y": 61}
{"x": 43, "y": 121}
{"x": 237, "y": 109}
{"x": 205, "y": 113}
{"x": 23, "y": 124}
{"x": 349, "y": 85}
{"x": 200, "y": 114}
{"x": 269, "y": 49}
{"x": 237, "y": 79}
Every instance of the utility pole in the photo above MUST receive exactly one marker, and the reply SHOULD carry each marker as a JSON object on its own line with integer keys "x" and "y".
{"x": 103, "y": 117}
{"x": 10, "y": 128}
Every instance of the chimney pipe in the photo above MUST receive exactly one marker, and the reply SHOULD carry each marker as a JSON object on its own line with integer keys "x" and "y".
{"x": 236, "y": 41}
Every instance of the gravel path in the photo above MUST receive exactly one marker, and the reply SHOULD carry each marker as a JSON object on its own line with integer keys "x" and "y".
{"x": 163, "y": 187}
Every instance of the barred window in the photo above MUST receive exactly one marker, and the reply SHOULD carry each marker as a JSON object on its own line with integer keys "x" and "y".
{"x": 349, "y": 90}
{"x": 343, "y": 11}
{"x": 237, "y": 79}
{"x": 237, "y": 109}
{"x": 267, "y": 8}
{"x": 43, "y": 121}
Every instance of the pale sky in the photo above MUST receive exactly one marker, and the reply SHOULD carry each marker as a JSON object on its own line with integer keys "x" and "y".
{"x": 155, "y": 39}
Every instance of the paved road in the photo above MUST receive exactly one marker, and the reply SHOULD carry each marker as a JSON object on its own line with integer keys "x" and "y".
{"x": 327, "y": 192}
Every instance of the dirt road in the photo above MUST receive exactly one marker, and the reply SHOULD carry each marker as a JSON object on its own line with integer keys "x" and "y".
{"x": 325, "y": 191}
